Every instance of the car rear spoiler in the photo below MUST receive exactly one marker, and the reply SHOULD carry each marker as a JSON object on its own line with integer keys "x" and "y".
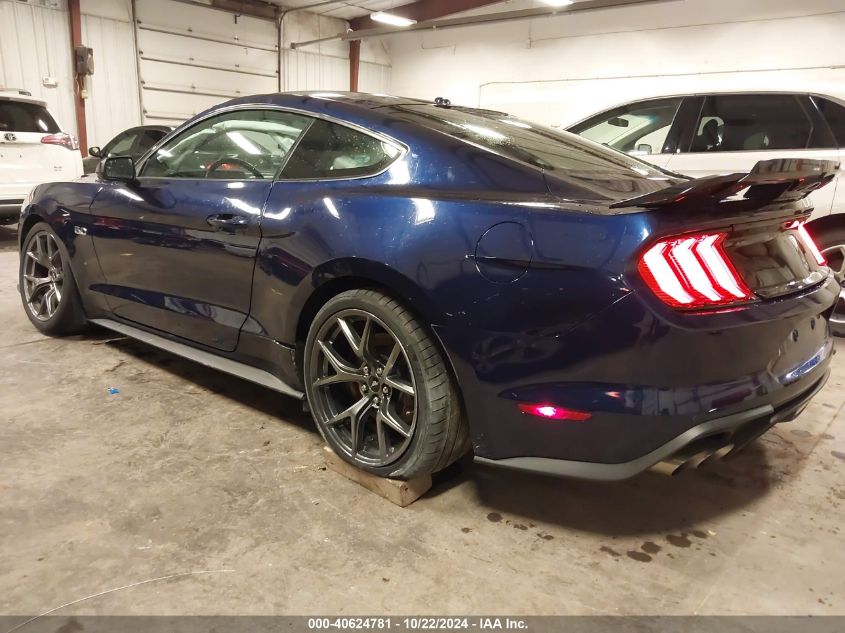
{"x": 771, "y": 180}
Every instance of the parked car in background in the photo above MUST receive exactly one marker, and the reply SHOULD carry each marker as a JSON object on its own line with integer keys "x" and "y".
{"x": 431, "y": 276}
{"x": 133, "y": 142}
{"x": 33, "y": 150}
{"x": 720, "y": 133}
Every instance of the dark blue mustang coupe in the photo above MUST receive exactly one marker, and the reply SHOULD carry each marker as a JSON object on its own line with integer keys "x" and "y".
{"x": 435, "y": 277}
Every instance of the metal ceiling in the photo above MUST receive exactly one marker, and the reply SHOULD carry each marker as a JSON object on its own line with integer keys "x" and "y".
{"x": 344, "y": 9}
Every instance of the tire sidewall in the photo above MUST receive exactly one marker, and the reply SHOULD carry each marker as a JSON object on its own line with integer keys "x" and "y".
{"x": 826, "y": 239}
{"x": 362, "y": 301}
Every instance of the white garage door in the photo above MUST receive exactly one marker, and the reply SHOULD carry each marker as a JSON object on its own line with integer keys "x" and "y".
{"x": 192, "y": 57}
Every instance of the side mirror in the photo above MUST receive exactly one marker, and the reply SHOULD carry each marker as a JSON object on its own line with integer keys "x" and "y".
{"x": 117, "y": 168}
{"x": 644, "y": 148}
{"x": 618, "y": 122}
{"x": 94, "y": 151}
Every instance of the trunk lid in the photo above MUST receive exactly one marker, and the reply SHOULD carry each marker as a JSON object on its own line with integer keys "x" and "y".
{"x": 760, "y": 215}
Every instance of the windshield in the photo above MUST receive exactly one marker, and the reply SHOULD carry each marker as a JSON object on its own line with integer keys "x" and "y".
{"x": 22, "y": 116}
{"x": 550, "y": 150}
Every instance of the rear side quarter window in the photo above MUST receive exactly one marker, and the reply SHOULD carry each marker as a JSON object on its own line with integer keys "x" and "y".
{"x": 834, "y": 114}
{"x": 329, "y": 150}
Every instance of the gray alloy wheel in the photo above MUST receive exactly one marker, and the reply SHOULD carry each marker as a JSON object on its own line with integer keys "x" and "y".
{"x": 364, "y": 388}
{"x": 379, "y": 389}
{"x": 835, "y": 256}
{"x": 47, "y": 286}
{"x": 43, "y": 276}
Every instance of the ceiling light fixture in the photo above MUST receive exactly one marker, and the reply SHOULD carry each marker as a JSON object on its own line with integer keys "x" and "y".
{"x": 392, "y": 19}
{"x": 557, "y": 3}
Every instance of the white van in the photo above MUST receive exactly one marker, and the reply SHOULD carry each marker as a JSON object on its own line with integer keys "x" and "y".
{"x": 712, "y": 133}
{"x": 33, "y": 149}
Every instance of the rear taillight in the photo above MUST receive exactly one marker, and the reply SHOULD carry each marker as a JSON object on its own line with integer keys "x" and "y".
{"x": 65, "y": 140}
{"x": 693, "y": 271}
{"x": 808, "y": 242}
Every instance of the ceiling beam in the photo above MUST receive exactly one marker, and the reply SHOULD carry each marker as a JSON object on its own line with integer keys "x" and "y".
{"x": 484, "y": 18}
{"x": 422, "y": 11}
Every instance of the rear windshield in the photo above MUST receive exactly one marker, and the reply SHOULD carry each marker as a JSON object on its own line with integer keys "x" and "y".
{"x": 20, "y": 116}
{"x": 530, "y": 143}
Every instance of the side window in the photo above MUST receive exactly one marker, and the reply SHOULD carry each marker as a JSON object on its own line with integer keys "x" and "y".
{"x": 121, "y": 145}
{"x": 638, "y": 128}
{"x": 834, "y": 113}
{"x": 147, "y": 140}
{"x": 329, "y": 150}
{"x": 751, "y": 123}
{"x": 239, "y": 145}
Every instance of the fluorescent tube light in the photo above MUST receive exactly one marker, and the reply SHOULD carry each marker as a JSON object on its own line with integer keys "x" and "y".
{"x": 392, "y": 19}
{"x": 557, "y": 3}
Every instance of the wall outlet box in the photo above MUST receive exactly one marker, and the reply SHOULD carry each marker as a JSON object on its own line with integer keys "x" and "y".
{"x": 49, "y": 82}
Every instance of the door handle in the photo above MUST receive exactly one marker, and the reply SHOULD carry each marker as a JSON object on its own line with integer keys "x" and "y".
{"x": 227, "y": 221}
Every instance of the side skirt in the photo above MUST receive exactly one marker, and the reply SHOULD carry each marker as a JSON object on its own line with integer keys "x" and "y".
{"x": 227, "y": 365}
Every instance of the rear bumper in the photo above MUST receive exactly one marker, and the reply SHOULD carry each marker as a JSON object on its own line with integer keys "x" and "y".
{"x": 654, "y": 384}
{"x": 720, "y": 436}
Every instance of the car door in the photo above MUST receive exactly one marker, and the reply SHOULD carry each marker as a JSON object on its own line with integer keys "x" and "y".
{"x": 833, "y": 113}
{"x": 177, "y": 247}
{"x": 733, "y": 132}
{"x": 120, "y": 145}
{"x": 643, "y": 129}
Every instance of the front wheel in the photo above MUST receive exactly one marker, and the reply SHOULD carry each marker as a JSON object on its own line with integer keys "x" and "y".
{"x": 832, "y": 245}
{"x": 379, "y": 389}
{"x": 47, "y": 287}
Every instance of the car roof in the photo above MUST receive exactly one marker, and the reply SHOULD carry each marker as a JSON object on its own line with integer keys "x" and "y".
{"x": 14, "y": 94}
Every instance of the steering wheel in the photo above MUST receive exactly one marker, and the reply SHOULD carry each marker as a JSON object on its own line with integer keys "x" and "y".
{"x": 234, "y": 161}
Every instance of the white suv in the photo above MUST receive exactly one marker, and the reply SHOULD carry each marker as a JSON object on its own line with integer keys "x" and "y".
{"x": 33, "y": 149}
{"x": 706, "y": 134}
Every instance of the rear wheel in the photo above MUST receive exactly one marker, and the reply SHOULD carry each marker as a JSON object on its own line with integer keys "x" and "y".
{"x": 47, "y": 286}
{"x": 379, "y": 390}
{"x": 832, "y": 245}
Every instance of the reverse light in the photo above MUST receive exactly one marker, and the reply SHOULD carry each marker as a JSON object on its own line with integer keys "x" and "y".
{"x": 693, "y": 272}
{"x": 808, "y": 242}
{"x": 65, "y": 140}
{"x": 551, "y": 412}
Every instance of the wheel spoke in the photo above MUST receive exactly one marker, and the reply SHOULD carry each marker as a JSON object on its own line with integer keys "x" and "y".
{"x": 400, "y": 384}
{"x": 391, "y": 360}
{"x": 37, "y": 282}
{"x": 382, "y": 440}
{"x": 357, "y": 343}
{"x": 386, "y": 415}
{"x": 339, "y": 365}
{"x": 352, "y": 410}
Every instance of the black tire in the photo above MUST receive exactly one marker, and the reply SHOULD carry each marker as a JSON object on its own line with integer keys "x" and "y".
{"x": 832, "y": 243}
{"x": 438, "y": 435}
{"x": 67, "y": 317}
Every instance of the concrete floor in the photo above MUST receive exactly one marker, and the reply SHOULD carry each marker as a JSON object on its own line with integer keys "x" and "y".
{"x": 193, "y": 492}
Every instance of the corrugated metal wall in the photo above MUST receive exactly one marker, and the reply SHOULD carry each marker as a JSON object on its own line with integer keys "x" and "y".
{"x": 190, "y": 57}
{"x": 113, "y": 104}
{"x": 34, "y": 45}
{"x": 319, "y": 67}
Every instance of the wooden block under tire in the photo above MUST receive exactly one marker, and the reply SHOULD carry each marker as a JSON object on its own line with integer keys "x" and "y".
{"x": 400, "y": 492}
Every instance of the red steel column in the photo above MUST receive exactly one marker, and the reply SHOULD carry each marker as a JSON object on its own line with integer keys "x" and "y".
{"x": 354, "y": 64}
{"x": 78, "y": 81}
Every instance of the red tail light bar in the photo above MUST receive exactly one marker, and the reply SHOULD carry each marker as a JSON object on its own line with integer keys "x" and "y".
{"x": 808, "y": 242}
{"x": 65, "y": 140}
{"x": 693, "y": 271}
